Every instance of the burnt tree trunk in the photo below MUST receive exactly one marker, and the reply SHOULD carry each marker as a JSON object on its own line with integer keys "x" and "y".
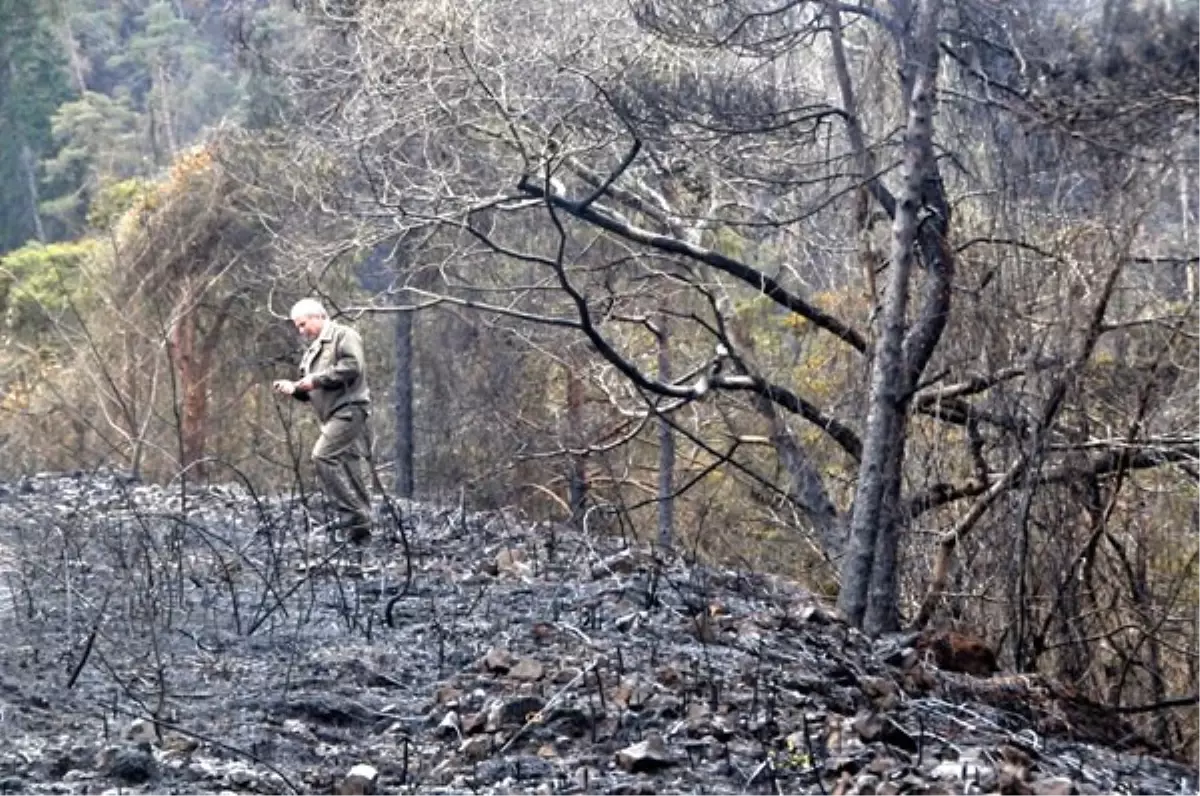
{"x": 402, "y": 406}
{"x": 869, "y": 595}
{"x": 666, "y": 445}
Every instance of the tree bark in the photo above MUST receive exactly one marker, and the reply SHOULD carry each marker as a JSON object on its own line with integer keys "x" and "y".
{"x": 869, "y": 587}
{"x": 402, "y": 406}
{"x": 666, "y": 445}
{"x": 195, "y": 354}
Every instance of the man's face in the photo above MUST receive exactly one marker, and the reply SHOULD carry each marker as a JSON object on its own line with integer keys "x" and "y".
{"x": 309, "y": 326}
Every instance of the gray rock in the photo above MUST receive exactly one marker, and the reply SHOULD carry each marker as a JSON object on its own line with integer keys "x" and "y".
{"x": 498, "y": 660}
{"x": 450, "y": 726}
{"x": 645, "y": 756}
{"x": 1054, "y": 786}
{"x": 517, "y": 767}
{"x": 12, "y": 784}
{"x": 528, "y": 670}
{"x": 476, "y": 747}
{"x": 362, "y": 780}
{"x": 132, "y": 764}
{"x": 513, "y": 712}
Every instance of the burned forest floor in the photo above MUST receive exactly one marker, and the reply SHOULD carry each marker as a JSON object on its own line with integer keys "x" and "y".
{"x": 209, "y": 640}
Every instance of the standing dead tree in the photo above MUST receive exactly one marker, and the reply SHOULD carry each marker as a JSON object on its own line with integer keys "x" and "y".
{"x": 909, "y": 292}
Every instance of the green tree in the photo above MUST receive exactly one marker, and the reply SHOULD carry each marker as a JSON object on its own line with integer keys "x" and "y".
{"x": 33, "y": 82}
{"x": 185, "y": 85}
{"x": 98, "y": 142}
{"x": 37, "y": 282}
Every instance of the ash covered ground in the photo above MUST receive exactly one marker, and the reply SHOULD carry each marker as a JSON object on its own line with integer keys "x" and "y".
{"x": 157, "y": 641}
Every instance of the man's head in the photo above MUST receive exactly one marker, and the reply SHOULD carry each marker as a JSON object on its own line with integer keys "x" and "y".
{"x": 309, "y": 316}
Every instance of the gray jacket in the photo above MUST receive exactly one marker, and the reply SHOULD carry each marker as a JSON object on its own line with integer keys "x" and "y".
{"x": 338, "y": 366}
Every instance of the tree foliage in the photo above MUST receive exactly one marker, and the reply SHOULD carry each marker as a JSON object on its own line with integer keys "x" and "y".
{"x": 94, "y": 91}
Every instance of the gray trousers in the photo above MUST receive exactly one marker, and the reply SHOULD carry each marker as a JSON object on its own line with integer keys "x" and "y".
{"x": 339, "y": 457}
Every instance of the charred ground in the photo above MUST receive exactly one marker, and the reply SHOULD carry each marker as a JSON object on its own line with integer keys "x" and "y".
{"x": 204, "y": 640}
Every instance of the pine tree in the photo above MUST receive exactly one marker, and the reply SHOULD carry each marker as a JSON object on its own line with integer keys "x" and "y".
{"x": 33, "y": 83}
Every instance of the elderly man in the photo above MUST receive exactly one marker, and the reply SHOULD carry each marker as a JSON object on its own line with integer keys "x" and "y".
{"x": 333, "y": 379}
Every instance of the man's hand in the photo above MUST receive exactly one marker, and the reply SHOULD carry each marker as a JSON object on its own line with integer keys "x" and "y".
{"x": 284, "y": 386}
{"x": 305, "y": 384}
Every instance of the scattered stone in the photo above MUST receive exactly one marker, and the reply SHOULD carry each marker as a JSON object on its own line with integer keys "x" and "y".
{"x": 498, "y": 660}
{"x": 361, "y": 781}
{"x": 645, "y": 756}
{"x": 476, "y": 748}
{"x": 527, "y": 670}
{"x": 510, "y": 561}
{"x": 1054, "y": 786}
{"x": 519, "y": 768}
{"x": 132, "y": 764}
{"x": 450, "y": 726}
{"x": 140, "y": 731}
{"x": 513, "y": 712}
{"x": 12, "y": 784}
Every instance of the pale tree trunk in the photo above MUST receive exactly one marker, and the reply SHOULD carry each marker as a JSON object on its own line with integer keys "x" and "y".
{"x": 132, "y": 379}
{"x": 164, "y": 103}
{"x": 869, "y": 589}
{"x": 666, "y": 445}
{"x": 28, "y": 163}
{"x": 70, "y": 46}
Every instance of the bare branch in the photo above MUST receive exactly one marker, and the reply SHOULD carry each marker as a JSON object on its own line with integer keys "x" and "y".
{"x": 750, "y": 276}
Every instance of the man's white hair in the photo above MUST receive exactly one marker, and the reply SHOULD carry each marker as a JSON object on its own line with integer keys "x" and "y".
{"x": 307, "y": 308}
